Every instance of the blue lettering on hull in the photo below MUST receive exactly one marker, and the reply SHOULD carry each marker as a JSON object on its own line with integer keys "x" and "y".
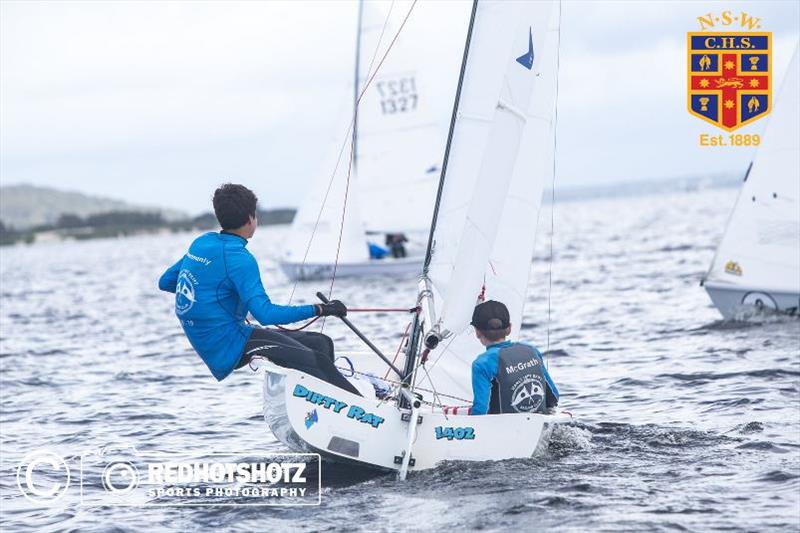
{"x": 355, "y": 412}
{"x": 449, "y": 433}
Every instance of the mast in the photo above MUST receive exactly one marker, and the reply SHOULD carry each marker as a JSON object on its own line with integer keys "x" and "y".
{"x": 747, "y": 174}
{"x": 417, "y": 327}
{"x": 356, "y": 82}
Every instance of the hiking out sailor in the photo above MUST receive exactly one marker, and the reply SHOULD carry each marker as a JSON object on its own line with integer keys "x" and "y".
{"x": 509, "y": 377}
{"x": 217, "y": 282}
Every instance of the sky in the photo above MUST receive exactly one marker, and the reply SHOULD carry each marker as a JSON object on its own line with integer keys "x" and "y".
{"x": 156, "y": 103}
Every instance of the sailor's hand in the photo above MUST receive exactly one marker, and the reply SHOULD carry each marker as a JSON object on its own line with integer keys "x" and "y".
{"x": 332, "y": 308}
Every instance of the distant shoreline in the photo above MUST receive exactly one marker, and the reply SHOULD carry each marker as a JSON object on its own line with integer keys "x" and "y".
{"x": 115, "y": 224}
{"x": 123, "y": 224}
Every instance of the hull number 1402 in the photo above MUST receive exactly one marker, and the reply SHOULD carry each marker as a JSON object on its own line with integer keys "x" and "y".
{"x": 449, "y": 433}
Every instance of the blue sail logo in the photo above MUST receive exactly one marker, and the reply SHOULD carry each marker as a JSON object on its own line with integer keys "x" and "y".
{"x": 526, "y": 59}
{"x": 311, "y": 418}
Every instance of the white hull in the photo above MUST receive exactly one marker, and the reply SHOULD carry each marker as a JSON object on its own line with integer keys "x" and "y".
{"x": 407, "y": 266}
{"x": 340, "y": 437}
{"x": 733, "y": 301}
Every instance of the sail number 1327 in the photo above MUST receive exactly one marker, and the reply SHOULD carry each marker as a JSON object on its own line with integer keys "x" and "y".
{"x": 397, "y": 95}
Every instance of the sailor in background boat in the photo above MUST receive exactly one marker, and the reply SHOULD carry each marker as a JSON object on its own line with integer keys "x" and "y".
{"x": 397, "y": 244}
{"x": 509, "y": 377}
{"x": 217, "y": 282}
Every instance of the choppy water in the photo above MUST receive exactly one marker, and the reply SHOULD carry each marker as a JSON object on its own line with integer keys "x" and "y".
{"x": 684, "y": 422}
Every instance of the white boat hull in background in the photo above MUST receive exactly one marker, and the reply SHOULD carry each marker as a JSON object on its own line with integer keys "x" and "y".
{"x": 757, "y": 263}
{"x": 344, "y": 438}
{"x": 738, "y": 302}
{"x": 408, "y": 266}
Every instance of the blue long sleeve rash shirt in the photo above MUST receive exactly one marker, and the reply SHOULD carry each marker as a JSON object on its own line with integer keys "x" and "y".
{"x": 216, "y": 284}
{"x": 484, "y": 370}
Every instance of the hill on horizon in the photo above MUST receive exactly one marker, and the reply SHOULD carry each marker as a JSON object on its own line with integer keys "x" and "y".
{"x": 27, "y": 206}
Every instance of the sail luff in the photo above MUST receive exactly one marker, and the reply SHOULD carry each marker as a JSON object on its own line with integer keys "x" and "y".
{"x": 488, "y": 133}
{"x": 727, "y": 224}
{"x": 491, "y": 199}
{"x": 453, "y": 119}
{"x": 760, "y": 247}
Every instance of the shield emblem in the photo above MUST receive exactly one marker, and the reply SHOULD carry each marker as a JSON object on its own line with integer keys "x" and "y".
{"x": 729, "y": 77}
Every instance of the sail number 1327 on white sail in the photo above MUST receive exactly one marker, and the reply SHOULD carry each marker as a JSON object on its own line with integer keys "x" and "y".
{"x": 398, "y": 95}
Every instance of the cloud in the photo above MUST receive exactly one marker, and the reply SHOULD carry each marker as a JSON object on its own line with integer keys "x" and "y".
{"x": 80, "y": 77}
{"x": 124, "y": 98}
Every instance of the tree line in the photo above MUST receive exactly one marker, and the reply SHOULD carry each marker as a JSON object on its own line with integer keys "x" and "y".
{"x": 127, "y": 222}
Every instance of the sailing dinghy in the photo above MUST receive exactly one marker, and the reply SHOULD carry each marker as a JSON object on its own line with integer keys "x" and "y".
{"x": 757, "y": 263}
{"x": 498, "y": 156}
{"x": 387, "y": 171}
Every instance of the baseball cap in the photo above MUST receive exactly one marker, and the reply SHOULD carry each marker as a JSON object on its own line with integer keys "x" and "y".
{"x": 491, "y": 315}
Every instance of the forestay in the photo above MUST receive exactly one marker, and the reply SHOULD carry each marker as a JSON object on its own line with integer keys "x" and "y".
{"x": 404, "y": 114}
{"x": 500, "y": 157}
{"x": 761, "y": 245}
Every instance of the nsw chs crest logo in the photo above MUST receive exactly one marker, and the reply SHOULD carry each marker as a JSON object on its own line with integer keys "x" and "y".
{"x": 729, "y": 72}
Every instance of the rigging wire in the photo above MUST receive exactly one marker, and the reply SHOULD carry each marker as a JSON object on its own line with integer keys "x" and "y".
{"x": 553, "y": 193}
{"x": 341, "y": 152}
{"x": 400, "y": 384}
{"x": 352, "y": 152}
{"x": 348, "y": 137}
{"x": 399, "y": 348}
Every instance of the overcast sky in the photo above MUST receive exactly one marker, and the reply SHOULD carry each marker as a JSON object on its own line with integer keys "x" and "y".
{"x": 158, "y": 102}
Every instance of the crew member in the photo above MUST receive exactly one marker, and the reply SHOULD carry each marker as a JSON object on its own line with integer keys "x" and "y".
{"x": 217, "y": 282}
{"x": 509, "y": 377}
{"x": 397, "y": 244}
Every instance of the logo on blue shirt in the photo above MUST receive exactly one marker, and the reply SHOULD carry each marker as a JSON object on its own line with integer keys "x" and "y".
{"x": 184, "y": 292}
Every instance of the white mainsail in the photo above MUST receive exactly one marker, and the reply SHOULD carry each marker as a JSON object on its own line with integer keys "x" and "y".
{"x": 314, "y": 238}
{"x": 760, "y": 250}
{"x": 404, "y": 114}
{"x": 401, "y": 129}
{"x": 500, "y": 157}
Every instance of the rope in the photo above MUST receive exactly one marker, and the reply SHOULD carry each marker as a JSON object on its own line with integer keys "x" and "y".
{"x": 301, "y": 328}
{"x": 553, "y": 194}
{"x": 381, "y": 310}
{"x": 344, "y": 143}
{"x": 380, "y": 37}
{"x": 399, "y": 384}
{"x": 349, "y": 363}
{"x": 436, "y": 395}
{"x": 399, "y": 348}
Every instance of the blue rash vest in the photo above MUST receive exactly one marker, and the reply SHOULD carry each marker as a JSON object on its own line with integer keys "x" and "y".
{"x": 485, "y": 369}
{"x": 215, "y": 284}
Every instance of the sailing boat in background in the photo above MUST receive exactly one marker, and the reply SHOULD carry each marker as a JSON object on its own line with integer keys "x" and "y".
{"x": 757, "y": 263}
{"x": 399, "y": 119}
{"x": 498, "y": 156}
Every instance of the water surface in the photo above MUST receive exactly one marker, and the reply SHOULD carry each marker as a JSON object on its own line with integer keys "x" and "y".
{"x": 684, "y": 422}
